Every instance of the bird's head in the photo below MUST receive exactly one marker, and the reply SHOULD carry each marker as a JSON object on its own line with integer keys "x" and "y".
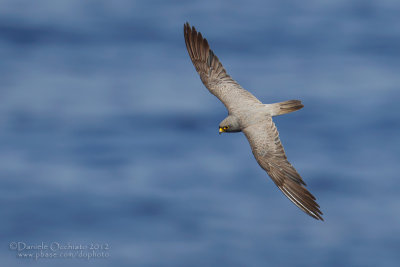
{"x": 229, "y": 125}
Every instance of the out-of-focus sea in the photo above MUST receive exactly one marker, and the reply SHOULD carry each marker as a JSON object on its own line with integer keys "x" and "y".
{"x": 108, "y": 136}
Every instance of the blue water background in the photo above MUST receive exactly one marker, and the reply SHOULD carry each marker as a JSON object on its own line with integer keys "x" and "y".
{"x": 107, "y": 134}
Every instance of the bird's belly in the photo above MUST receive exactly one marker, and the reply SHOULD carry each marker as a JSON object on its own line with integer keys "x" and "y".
{"x": 247, "y": 119}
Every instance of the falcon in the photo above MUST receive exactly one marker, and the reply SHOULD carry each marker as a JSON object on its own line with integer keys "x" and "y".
{"x": 248, "y": 115}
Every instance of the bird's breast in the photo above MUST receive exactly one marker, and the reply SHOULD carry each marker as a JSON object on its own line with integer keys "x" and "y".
{"x": 251, "y": 117}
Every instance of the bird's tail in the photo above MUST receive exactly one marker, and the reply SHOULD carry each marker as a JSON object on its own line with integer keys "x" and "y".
{"x": 284, "y": 107}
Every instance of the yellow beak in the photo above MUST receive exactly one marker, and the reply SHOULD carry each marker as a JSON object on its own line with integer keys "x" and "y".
{"x": 221, "y": 130}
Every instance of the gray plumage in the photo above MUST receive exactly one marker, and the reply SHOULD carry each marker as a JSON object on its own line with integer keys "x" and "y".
{"x": 248, "y": 115}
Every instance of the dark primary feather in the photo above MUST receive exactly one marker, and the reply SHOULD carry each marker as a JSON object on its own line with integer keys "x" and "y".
{"x": 270, "y": 155}
{"x": 212, "y": 73}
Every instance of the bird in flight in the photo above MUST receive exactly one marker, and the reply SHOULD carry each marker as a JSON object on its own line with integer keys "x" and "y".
{"x": 248, "y": 115}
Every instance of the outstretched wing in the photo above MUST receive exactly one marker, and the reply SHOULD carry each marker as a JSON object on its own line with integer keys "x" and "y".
{"x": 213, "y": 74}
{"x": 269, "y": 153}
